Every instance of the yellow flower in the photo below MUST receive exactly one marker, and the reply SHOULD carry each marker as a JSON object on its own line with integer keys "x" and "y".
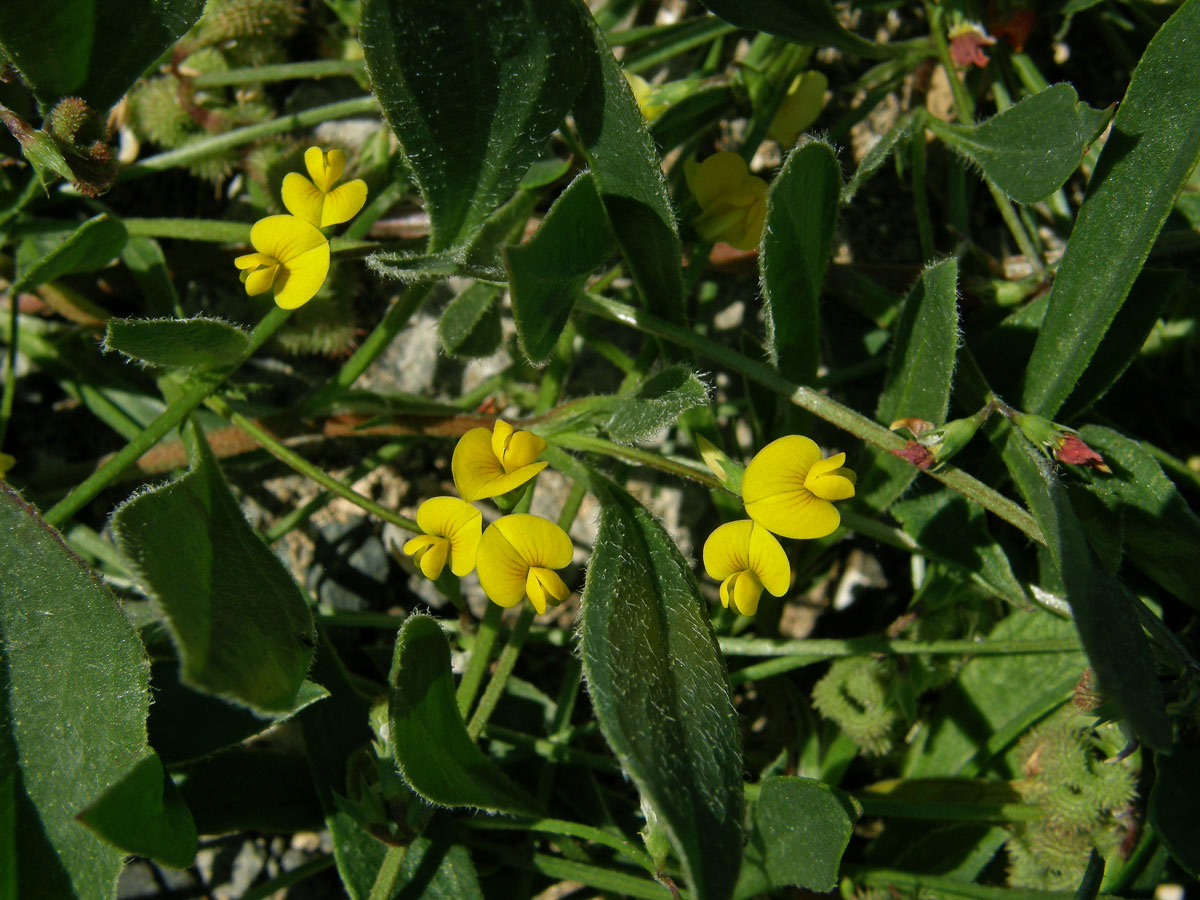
{"x": 799, "y": 108}
{"x": 746, "y": 558}
{"x": 292, "y": 258}
{"x": 317, "y": 201}
{"x": 452, "y": 529}
{"x": 644, "y": 93}
{"x": 517, "y": 558}
{"x": 788, "y": 488}
{"x": 733, "y": 203}
{"x": 490, "y": 464}
{"x": 7, "y": 461}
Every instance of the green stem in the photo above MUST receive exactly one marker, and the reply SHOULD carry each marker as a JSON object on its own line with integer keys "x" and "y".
{"x": 924, "y": 220}
{"x": 553, "y": 752}
{"x": 220, "y": 231}
{"x": 683, "y": 468}
{"x": 299, "y": 464}
{"x": 481, "y": 655}
{"x": 193, "y": 393}
{"x": 815, "y": 402}
{"x": 219, "y": 143}
{"x": 570, "y": 829}
{"x": 389, "y": 872}
{"x": 1016, "y": 228}
{"x": 316, "y": 68}
{"x": 10, "y": 367}
{"x": 373, "y": 347}
{"x": 831, "y": 648}
{"x": 504, "y": 668}
{"x": 964, "y": 106}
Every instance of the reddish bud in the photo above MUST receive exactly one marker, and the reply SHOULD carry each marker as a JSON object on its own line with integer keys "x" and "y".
{"x": 917, "y": 454}
{"x": 1074, "y": 451}
{"x": 1015, "y": 29}
{"x": 966, "y": 46}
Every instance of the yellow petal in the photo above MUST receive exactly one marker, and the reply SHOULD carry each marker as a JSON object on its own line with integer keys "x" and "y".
{"x": 300, "y": 278}
{"x": 780, "y": 466}
{"x": 545, "y": 588}
{"x": 795, "y": 514}
{"x": 285, "y": 237}
{"x": 828, "y": 480}
{"x": 253, "y": 261}
{"x": 718, "y": 174}
{"x": 343, "y": 202}
{"x": 501, "y": 433}
{"x": 501, "y": 569}
{"x": 458, "y": 521}
{"x": 302, "y": 198}
{"x": 521, "y": 450}
{"x": 538, "y": 541}
{"x": 474, "y": 465}
{"x": 720, "y": 226}
{"x": 324, "y": 168}
{"x": 727, "y": 549}
{"x": 429, "y": 553}
{"x": 260, "y": 280}
{"x": 746, "y": 589}
{"x": 769, "y": 562}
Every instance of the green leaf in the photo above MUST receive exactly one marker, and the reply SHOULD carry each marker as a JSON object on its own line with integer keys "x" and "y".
{"x": 434, "y": 753}
{"x": 199, "y": 343}
{"x": 626, "y": 168}
{"x": 660, "y": 689}
{"x": 656, "y": 404}
{"x": 145, "y": 815}
{"x": 801, "y": 829}
{"x": 1153, "y": 147}
{"x": 547, "y": 272}
{"x": 148, "y": 265}
{"x": 73, "y": 702}
{"x": 801, "y": 214}
{"x": 185, "y": 724}
{"x": 1031, "y": 149}
{"x": 473, "y": 90}
{"x": 1159, "y": 531}
{"x": 809, "y": 22}
{"x": 919, "y": 375}
{"x": 470, "y": 324}
{"x": 241, "y": 625}
{"x": 1108, "y": 626}
{"x": 435, "y": 868}
{"x": 946, "y": 524}
{"x": 1173, "y": 810}
{"x": 414, "y": 268}
{"x": 879, "y": 153}
{"x": 91, "y": 246}
{"x": 1120, "y": 345}
{"x": 94, "y": 49}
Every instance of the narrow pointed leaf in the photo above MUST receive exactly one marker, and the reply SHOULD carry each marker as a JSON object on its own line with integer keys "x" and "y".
{"x": 241, "y": 624}
{"x": 473, "y": 90}
{"x": 1153, "y": 148}
{"x": 1031, "y": 149}
{"x": 547, "y": 272}
{"x": 801, "y": 214}
{"x": 434, "y": 753}
{"x": 811, "y": 22}
{"x": 470, "y": 324}
{"x": 660, "y": 690}
{"x": 73, "y": 702}
{"x": 90, "y": 246}
{"x": 657, "y": 403}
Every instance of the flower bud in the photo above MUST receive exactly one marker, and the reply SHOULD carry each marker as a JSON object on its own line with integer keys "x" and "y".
{"x": 930, "y": 446}
{"x": 1062, "y": 443}
{"x": 729, "y": 471}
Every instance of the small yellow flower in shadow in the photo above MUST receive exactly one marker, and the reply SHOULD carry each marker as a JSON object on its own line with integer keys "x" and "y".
{"x": 799, "y": 108}
{"x": 788, "y": 487}
{"x": 292, "y": 259}
{"x": 517, "y": 558}
{"x": 7, "y": 461}
{"x": 452, "y": 529}
{"x": 733, "y": 203}
{"x": 317, "y": 201}
{"x": 746, "y": 558}
{"x": 488, "y": 464}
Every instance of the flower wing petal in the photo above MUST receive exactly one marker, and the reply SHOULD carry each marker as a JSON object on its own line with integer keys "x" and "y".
{"x": 302, "y": 198}
{"x": 522, "y": 449}
{"x": 285, "y": 237}
{"x": 259, "y": 281}
{"x": 746, "y": 591}
{"x": 769, "y": 562}
{"x": 545, "y": 588}
{"x": 502, "y": 571}
{"x": 253, "y": 261}
{"x": 343, "y": 202}
{"x": 325, "y": 168}
{"x": 538, "y": 541}
{"x": 795, "y": 514}
{"x": 718, "y": 174}
{"x": 474, "y": 465}
{"x": 727, "y": 549}
{"x": 501, "y": 432}
{"x": 778, "y": 467}
{"x": 301, "y": 277}
{"x": 502, "y": 484}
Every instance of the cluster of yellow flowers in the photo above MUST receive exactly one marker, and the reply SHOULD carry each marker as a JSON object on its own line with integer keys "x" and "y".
{"x": 788, "y": 489}
{"x": 292, "y": 257}
{"x": 516, "y": 557}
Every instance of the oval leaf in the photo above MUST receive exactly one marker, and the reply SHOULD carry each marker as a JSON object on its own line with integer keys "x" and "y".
{"x": 91, "y": 246}
{"x": 434, "y": 753}
{"x": 1153, "y": 147}
{"x": 473, "y": 90}
{"x": 660, "y": 689}
{"x": 198, "y": 343}
{"x": 241, "y": 624}
{"x": 73, "y": 700}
